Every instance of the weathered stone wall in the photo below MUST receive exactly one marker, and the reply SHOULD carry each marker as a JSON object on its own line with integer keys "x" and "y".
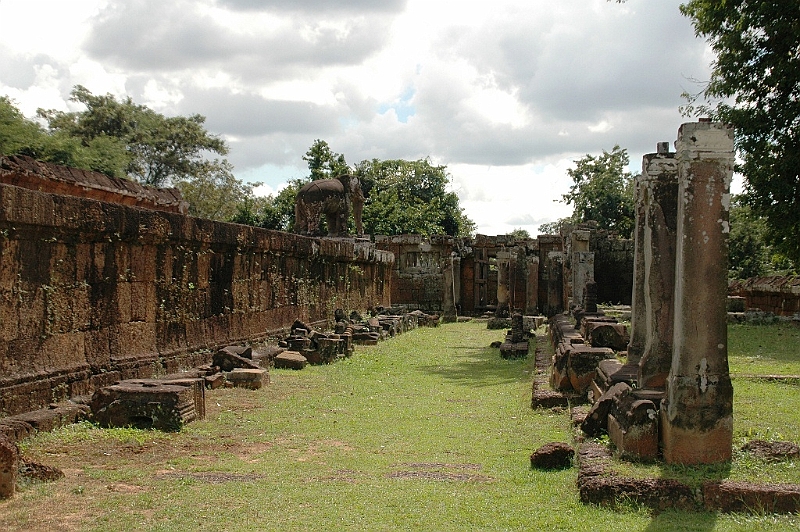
{"x": 26, "y": 172}
{"x": 421, "y": 263}
{"x": 92, "y": 292}
{"x": 418, "y": 276}
{"x": 779, "y": 295}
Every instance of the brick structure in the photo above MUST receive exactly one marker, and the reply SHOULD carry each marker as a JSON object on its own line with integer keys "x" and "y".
{"x": 93, "y": 292}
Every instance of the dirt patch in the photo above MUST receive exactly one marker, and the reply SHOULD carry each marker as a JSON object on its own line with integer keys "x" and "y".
{"x": 33, "y": 472}
{"x": 211, "y": 477}
{"x": 440, "y": 472}
{"x": 772, "y": 450}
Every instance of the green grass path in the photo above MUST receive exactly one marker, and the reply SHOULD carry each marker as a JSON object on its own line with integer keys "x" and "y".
{"x": 431, "y": 430}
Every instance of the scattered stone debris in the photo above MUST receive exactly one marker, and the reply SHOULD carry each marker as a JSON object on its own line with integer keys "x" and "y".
{"x": 553, "y": 455}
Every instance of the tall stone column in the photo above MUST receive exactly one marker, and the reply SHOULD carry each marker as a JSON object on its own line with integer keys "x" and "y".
{"x": 638, "y": 334}
{"x": 448, "y": 292}
{"x": 457, "y": 281}
{"x": 503, "y": 266}
{"x": 582, "y": 266}
{"x": 659, "y": 196}
{"x": 697, "y": 412}
{"x": 532, "y": 286}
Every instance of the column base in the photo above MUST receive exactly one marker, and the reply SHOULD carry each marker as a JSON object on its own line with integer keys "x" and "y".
{"x": 693, "y": 447}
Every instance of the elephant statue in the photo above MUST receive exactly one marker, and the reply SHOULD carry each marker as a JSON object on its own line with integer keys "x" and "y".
{"x": 333, "y": 198}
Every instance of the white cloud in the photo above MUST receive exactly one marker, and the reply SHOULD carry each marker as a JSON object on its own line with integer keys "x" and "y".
{"x": 506, "y": 94}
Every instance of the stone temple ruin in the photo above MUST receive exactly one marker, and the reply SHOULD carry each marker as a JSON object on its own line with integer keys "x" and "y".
{"x": 115, "y": 305}
{"x": 673, "y": 397}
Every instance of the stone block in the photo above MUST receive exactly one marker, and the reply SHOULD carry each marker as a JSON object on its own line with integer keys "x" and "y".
{"x": 290, "y": 360}
{"x": 548, "y": 399}
{"x": 56, "y": 416}
{"x": 596, "y": 421}
{"x": 253, "y": 379}
{"x": 144, "y": 405}
{"x": 582, "y": 365}
{"x": 9, "y": 467}
{"x": 217, "y": 380}
{"x": 559, "y": 373}
{"x": 514, "y": 350}
{"x": 196, "y": 383}
{"x": 611, "y": 335}
{"x": 745, "y": 497}
{"x": 636, "y": 440}
{"x": 229, "y": 358}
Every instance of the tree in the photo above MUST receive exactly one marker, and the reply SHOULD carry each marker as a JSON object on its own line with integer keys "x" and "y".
{"x": 602, "y": 190}
{"x": 159, "y": 150}
{"x": 755, "y": 86}
{"x": 519, "y": 233}
{"x": 323, "y": 163}
{"x": 20, "y": 136}
{"x": 277, "y": 210}
{"x": 749, "y": 253}
{"x": 410, "y": 197}
{"x": 215, "y": 193}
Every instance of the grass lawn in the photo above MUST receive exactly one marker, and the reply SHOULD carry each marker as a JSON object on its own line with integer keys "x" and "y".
{"x": 431, "y": 430}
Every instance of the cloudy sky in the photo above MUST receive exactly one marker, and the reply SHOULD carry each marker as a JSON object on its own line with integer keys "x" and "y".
{"x": 505, "y": 93}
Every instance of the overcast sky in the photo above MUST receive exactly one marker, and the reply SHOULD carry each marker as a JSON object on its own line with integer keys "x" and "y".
{"x": 505, "y": 93}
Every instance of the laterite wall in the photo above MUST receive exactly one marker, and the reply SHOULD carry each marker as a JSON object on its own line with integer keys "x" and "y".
{"x": 92, "y": 292}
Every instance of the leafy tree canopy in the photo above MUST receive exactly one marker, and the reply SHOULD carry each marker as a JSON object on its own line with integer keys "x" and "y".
{"x": 749, "y": 253}
{"x": 519, "y": 233}
{"x": 755, "y": 86}
{"x": 410, "y": 197}
{"x": 126, "y": 140}
{"x": 602, "y": 191}
{"x": 402, "y": 197}
{"x": 160, "y": 150}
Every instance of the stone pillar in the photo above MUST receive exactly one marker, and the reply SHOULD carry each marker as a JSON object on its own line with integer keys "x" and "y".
{"x": 697, "y": 412}
{"x": 456, "y": 281}
{"x": 582, "y": 266}
{"x": 503, "y": 266}
{"x": 638, "y": 335}
{"x": 448, "y": 299}
{"x": 532, "y": 287}
{"x": 659, "y": 196}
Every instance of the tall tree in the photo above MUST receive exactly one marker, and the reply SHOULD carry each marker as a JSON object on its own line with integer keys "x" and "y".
{"x": 755, "y": 86}
{"x": 324, "y": 163}
{"x": 602, "y": 191}
{"x": 406, "y": 197}
{"x": 160, "y": 150}
{"x": 21, "y": 136}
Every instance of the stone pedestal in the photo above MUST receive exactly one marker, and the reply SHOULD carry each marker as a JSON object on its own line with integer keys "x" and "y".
{"x": 659, "y": 200}
{"x": 697, "y": 412}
